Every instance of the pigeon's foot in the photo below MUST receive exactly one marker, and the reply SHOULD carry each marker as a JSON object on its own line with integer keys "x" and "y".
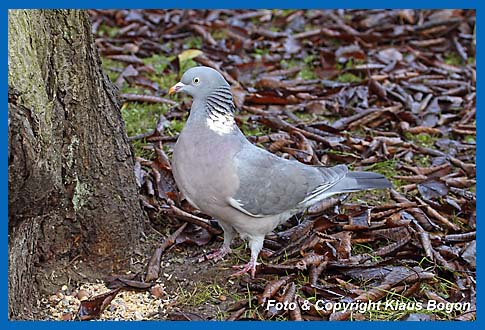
{"x": 250, "y": 267}
{"x": 216, "y": 255}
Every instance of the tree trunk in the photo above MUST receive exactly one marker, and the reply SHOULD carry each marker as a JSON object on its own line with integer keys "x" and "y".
{"x": 72, "y": 192}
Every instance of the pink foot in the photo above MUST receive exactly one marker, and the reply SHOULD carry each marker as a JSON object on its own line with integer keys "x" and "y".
{"x": 249, "y": 267}
{"x": 216, "y": 255}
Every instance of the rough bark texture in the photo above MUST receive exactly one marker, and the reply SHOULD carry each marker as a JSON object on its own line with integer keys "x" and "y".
{"x": 72, "y": 191}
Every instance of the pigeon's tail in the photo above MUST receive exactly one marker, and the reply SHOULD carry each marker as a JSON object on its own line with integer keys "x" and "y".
{"x": 357, "y": 181}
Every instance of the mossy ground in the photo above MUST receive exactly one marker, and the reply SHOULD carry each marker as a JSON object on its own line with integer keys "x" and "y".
{"x": 210, "y": 290}
{"x": 142, "y": 117}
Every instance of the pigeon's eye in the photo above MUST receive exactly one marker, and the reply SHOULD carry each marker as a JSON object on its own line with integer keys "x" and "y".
{"x": 196, "y": 80}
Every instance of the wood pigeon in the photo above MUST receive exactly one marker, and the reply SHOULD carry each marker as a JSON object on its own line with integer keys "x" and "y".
{"x": 248, "y": 189}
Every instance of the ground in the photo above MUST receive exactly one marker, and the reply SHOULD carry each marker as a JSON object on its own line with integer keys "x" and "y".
{"x": 322, "y": 87}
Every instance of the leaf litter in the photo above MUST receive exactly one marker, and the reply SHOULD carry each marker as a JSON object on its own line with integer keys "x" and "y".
{"x": 392, "y": 91}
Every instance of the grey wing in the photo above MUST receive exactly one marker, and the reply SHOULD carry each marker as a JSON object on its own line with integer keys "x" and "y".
{"x": 270, "y": 185}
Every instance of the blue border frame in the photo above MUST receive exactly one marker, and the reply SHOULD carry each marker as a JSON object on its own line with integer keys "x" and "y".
{"x": 249, "y": 4}
{"x": 221, "y": 4}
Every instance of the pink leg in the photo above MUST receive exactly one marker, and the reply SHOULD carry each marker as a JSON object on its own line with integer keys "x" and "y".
{"x": 255, "y": 244}
{"x": 225, "y": 249}
{"x": 218, "y": 254}
{"x": 249, "y": 267}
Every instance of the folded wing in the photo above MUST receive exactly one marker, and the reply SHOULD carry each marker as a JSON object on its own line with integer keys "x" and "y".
{"x": 270, "y": 185}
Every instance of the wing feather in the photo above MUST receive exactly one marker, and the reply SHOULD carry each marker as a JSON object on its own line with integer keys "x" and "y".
{"x": 270, "y": 185}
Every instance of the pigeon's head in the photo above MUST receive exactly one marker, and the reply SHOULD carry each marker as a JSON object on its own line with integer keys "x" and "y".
{"x": 199, "y": 82}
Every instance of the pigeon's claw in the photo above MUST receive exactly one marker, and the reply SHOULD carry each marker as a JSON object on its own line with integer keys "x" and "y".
{"x": 216, "y": 255}
{"x": 250, "y": 267}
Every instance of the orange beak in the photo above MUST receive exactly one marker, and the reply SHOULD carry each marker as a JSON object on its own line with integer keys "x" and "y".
{"x": 175, "y": 88}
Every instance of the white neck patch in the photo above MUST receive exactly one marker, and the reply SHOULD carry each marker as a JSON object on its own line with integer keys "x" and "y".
{"x": 220, "y": 123}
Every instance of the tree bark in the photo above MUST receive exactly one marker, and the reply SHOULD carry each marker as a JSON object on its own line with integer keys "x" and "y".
{"x": 72, "y": 191}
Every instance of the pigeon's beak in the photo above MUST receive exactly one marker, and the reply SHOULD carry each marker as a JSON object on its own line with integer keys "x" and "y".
{"x": 175, "y": 88}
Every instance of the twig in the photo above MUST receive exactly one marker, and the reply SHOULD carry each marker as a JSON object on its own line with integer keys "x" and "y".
{"x": 154, "y": 264}
{"x": 181, "y": 214}
{"x": 465, "y": 237}
{"x": 435, "y": 214}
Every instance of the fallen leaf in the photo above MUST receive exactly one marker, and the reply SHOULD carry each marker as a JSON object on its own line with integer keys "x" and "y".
{"x": 94, "y": 307}
{"x": 188, "y": 55}
{"x": 432, "y": 189}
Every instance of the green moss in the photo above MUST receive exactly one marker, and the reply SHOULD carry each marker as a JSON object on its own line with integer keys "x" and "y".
{"x": 107, "y": 31}
{"x": 187, "y": 65}
{"x": 140, "y": 117}
{"x": 250, "y": 129}
{"x": 334, "y": 42}
{"x": 308, "y": 59}
{"x": 423, "y": 139}
{"x": 353, "y": 62}
{"x": 311, "y": 27}
{"x": 288, "y": 64}
{"x": 452, "y": 58}
{"x": 361, "y": 248}
{"x": 141, "y": 150}
{"x": 350, "y": 64}
{"x": 175, "y": 127}
{"x": 159, "y": 62}
{"x": 386, "y": 168}
{"x": 193, "y": 42}
{"x": 469, "y": 139}
{"x": 219, "y": 34}
{"x": 372, "y": 197}
{"x": 134, "y": 90}
{"x": 348, "y": 77}
{"x": 287, "y": 12}
{"x": 258, "y": 52}
{"x": 305, "y": 116}
{"x": 307, "y": 73}
{"x": 422, "y": 161}
{"x": 204, "y": 293}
